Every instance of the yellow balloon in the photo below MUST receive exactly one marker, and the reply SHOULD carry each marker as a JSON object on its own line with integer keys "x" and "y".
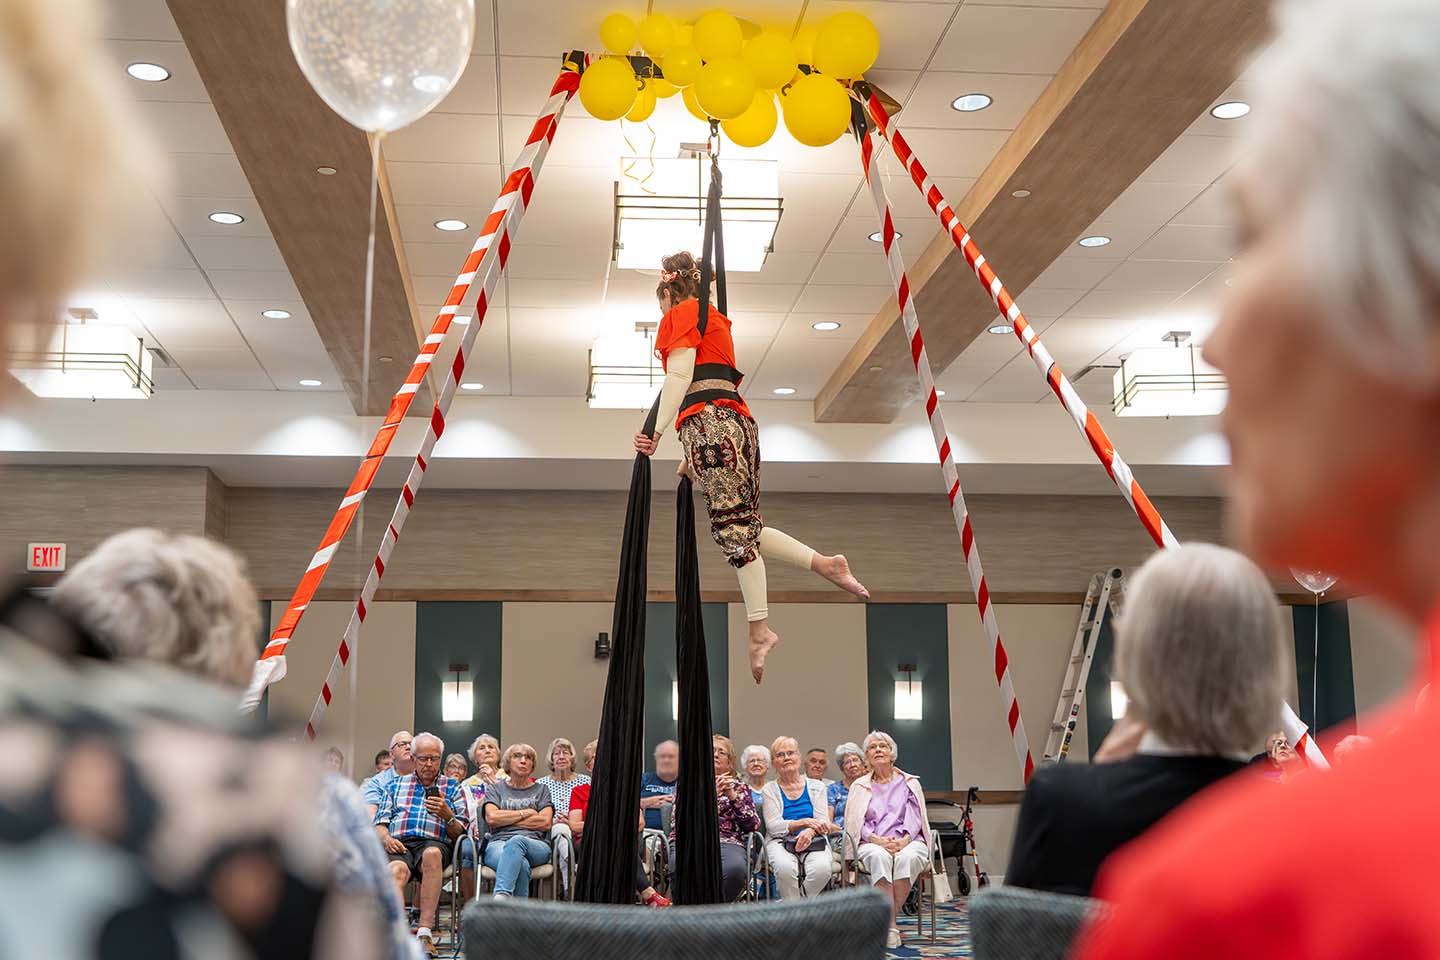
{"x": 693, "y": 105}
{"x": 847, "y": 45}
{"x": 685, "y": 34}
{"x": 771, "y": 58}
{"x": 608, "y": 88}
{"x": 657, "y": 34}
{"x": 804, "y": 43}
{"x": 756, "y": 124}
{"x": 680, "y": 65}
{"x": 717, "y": 35}
{"x": 663, "y": 88}
{"x": 817, "y": 110}
{"x": 644, "y": 105}
{"x": 725, "y": 88}
{"x": 617, "y": 32}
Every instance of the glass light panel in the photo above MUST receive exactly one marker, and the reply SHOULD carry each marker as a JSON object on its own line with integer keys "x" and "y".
{"x": 624, "y": 373}
{"x": 1119, "y": 702}
{"x": 85, "y": 361}
{"x": 908, "y": 705}
{"x": 457, "y": 701}
{"x": 1168, "y": 382}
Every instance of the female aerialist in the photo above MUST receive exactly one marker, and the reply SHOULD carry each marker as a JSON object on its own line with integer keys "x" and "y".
{"x": 722, "y": 448}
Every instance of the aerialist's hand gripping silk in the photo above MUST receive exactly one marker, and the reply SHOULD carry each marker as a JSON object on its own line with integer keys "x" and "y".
{"x": 721, "y": 449}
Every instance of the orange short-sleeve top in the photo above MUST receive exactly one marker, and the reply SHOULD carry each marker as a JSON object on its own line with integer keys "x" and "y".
{"x": 680, "y": 328}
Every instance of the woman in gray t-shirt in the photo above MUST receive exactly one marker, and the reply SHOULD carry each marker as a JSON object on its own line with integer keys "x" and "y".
{"x": 518, "y": 813}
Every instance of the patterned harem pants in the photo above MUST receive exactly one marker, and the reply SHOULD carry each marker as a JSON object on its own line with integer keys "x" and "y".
{"x": 723, "y": 447}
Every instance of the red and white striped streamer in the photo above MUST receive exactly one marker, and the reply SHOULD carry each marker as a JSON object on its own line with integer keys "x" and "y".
{"x": 1085, "y": 421}
{"x": 486, "y": 259}
{"x": 1299, "y": 736}
{"x": 948, "y": 470}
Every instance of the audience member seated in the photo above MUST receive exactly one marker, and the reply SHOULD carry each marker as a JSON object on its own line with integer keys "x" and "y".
{"x": 885, "y": 820}
{"x": 735, "y": 811}
{"x": 402, "y": 761}
{"x": 796, "y": 823}
{"x": 817, "y": 764}
{"x": 579, "y": 803}
{"x": 851, "y": 761}
{"x": 1282, "y": 763}
{"x": 183, "y": 604}
{"x": 755, "y": 761}
{"x": 334, "y": 760}
{"x": 562, "y": 778}
{"x": 1199, "y": 652}
{"x": 518, "y": 811}
{"x": 419, "y": 818}
{"x": 589, "y": 764}
{"x": 382, "y": 762}
{"x": 658, "y": 788}
{"x": 485, "y": 754}
{"x": 455, "y": 766}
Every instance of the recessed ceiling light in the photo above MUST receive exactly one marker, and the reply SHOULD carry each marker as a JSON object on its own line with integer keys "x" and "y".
{"x": 326, "y": 171}
{"x": 472, "y": 386}
{"x": 275, "y": 314}
{"x": 1230, "y": 110}
{"x": 227, "y": 218}
{"x": 149, "y": 72}
{"x": 876, "y": 369}
{"x": 1020, "y": 194}
{"x": 971, "y": 102}
{"x": 939, "y": 393}
{"x": 450, "y": 226}
{"x": 386, "y": 359}
{"x": 825, "y": 325}
{"x": 879, "y": 237}
{"x": 783, "y": 391}
{"x": 310, "y": 383}
{"x": 1000, "y": 329}
{"x": 1094, "y": 241}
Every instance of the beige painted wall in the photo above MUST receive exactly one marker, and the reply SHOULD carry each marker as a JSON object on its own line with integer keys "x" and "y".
{"x": 1387, "y": 657}
{"x": 552, "y": 684}
{"x": 814, "y": 686}
{"x": 383, "y": 672}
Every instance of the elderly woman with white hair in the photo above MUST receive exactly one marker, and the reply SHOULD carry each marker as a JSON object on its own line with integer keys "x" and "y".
{"x": 563, "y": 777}
{"x": 851, "y": 761}
{"x": 887, "y": 827}
{"x": 796, "y": 823}
{"x": 1329, "y": 340}
{"x": 1199, "y": 652}
{"x": 755, "y": 765}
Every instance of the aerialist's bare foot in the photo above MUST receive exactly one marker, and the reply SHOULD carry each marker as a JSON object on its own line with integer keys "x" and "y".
{"x": 762, "y": 641}
{"x": 836, "y": 569}
{"x": 684, "y": 470}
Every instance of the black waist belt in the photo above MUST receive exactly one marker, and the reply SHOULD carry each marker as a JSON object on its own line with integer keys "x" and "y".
{"x": 713, "y": 381}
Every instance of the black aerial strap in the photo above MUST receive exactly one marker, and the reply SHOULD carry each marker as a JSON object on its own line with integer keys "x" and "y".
{"x": 607, "y": 868}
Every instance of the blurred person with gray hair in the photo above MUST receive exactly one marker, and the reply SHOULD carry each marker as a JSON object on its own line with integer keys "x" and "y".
{"x": 850, "y": 759}
{"x": 1199, "y": 651}
{"x": 1329, "y": 341}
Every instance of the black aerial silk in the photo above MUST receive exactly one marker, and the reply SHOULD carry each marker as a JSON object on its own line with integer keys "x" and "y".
{"x": 607, "y": 870}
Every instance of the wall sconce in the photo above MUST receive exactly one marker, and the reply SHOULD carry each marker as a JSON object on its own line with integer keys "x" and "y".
{"x": 1119, "y": 702}
{"x": 457, "y": 697}
{"x": 675, "y": 700}
{"x": 908, "y": 695}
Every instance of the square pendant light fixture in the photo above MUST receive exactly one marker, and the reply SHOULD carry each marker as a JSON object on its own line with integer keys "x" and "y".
{"x": 1173, "y": 381}
{"x": 624, "y": 371}
{"x": 660, "y": 208}
{"x": 85, "y": 359}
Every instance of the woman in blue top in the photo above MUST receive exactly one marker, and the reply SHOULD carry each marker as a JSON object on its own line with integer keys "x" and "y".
{"x": 796, "y": 822}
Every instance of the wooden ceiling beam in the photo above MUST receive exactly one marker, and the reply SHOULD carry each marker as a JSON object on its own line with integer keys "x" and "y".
{"x": 281, "y": 131}
{"x": 1134, "y": 83}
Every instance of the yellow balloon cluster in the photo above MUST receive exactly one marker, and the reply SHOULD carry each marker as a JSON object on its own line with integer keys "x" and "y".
{"x": 727, "y": 76}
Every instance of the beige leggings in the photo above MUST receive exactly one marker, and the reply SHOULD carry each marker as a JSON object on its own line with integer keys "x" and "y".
{"x": 779, "y": 546}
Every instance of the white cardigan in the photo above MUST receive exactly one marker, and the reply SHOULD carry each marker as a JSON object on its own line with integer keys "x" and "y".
{"x": 774, "y": 807}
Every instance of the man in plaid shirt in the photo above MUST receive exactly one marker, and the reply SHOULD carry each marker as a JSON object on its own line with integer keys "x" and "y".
{"x": 419, "y": 817}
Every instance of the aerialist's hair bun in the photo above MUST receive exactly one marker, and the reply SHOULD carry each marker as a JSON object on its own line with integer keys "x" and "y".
{"x": 679, "y": 274}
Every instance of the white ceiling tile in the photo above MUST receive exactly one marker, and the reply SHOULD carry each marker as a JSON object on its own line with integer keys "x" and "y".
{"x": 1210, "y": 126}
{"x": 200, "y": 363}
{"x": 1047, "y": 301}
{"x": 1012, "y": 93}
{"x": 1213, "y": 208}
{"x": 1125, "y": 239}
{"x": 761, "y": 297}
{"x": 139, "y": 20}
{"x": 851, "y": 268}
{"x": 811, "y": 193}
{"x": 550, "y": 28}
{"x": 580, "y": 141}
{"x": 1075, "y": 342}
{"x": 254, "y": 284}
{"x": 848, "y": 298}
{"x": 779, "y": 14}
{"x": 484, "y": 28}
{"x": 1192, "y": 159}
{"x": 996, "y": 349}
{"x": 960, "y": 380}
{"x": 162, "y": 249}
{"x": 1016, "y": 382}
{"x": 754, "y": 327}
{"x": 530, "y": 260}
{"x": 191, "y": 216}
{"x": 804, "y": 365}
{"x": 1092, "y": 4}
{"x": 171, "y": 378}
{"x": 189, "y": 324}
{"x": 801, "y": 232}
{"x": 183, "y": 84}
{"x": 162, "y": 285}
{"x": 209, "y": 175}
{"x": 955, "y": 153}
{"x": 1068, "y": 271}
{"x": 908, "y": 31}
{"x": 436, "y": 259}
{"x": 854, "y": 235}
{"x": 1014, "y": 39}
{"x": 782, "y": 266}
{"x": 437, "y": 288}
{"x": 552, "y": 293}
{"x": 417, "y": 223}
{"x": 899, "y": 84}
{"x": 1112, "y": 304}
{"x": 475, "y": 90}
{"x": 525, "y": 84}
{"x": 446, "y": 138}
{"x": 1151, "y": 203}
{"x": 1183, "y": 242}
{"x": 1172, "y": 276}
{"x": 185, "y": 127}
{"x": 237, "y": 253}
{"x": 441, "y": 183}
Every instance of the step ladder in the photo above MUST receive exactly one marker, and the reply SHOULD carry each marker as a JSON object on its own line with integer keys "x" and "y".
{"x": 1102, "y": 597}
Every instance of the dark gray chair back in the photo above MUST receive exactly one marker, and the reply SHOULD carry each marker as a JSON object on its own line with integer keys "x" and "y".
{"x": 1012, "y": 923}
{"x": 841, "y": 926}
